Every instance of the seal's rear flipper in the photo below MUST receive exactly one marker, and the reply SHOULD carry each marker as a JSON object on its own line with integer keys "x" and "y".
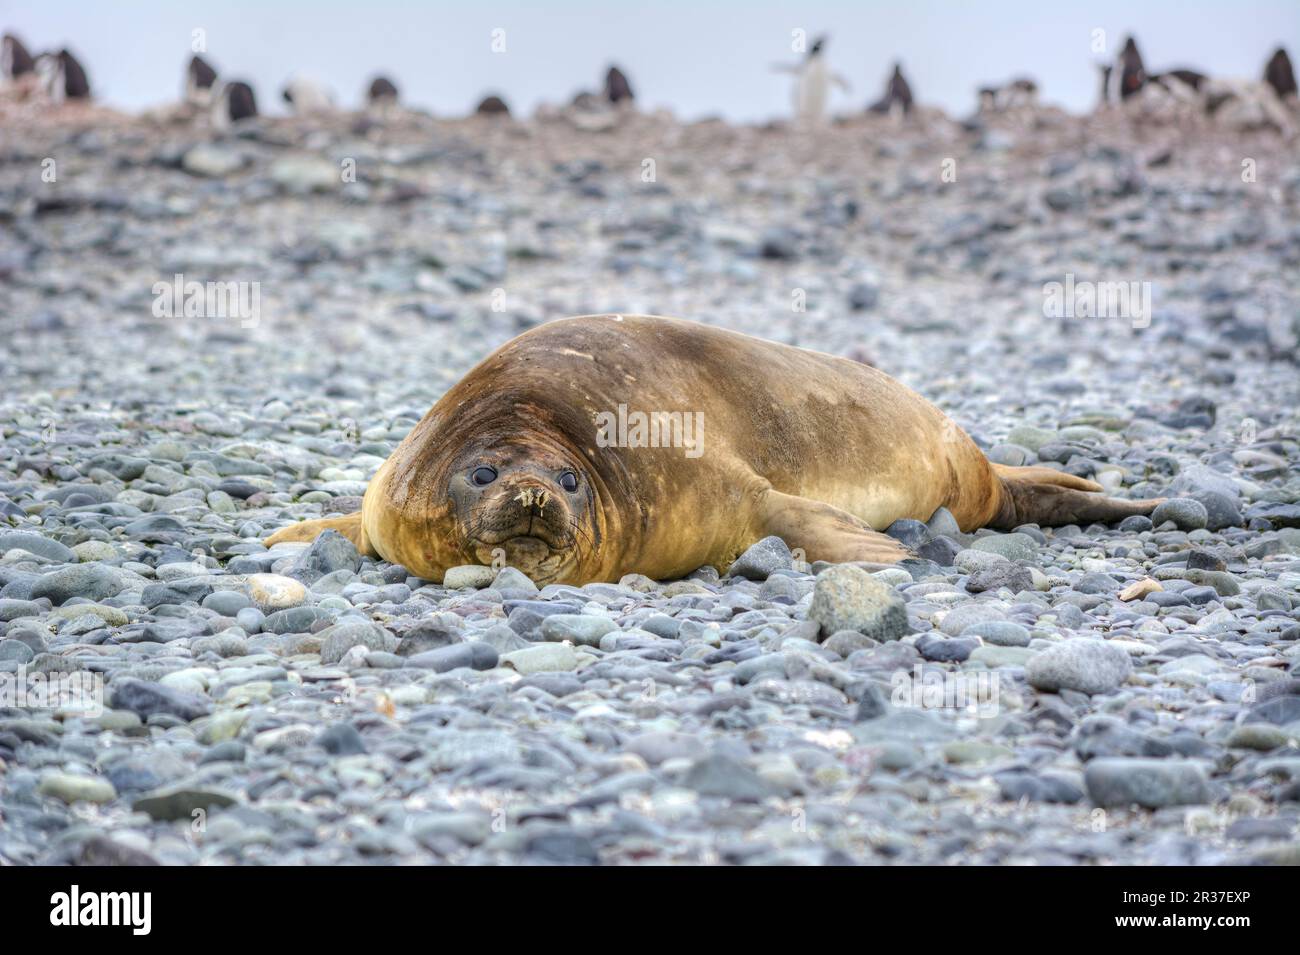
{"x": 824, "y": 532}
{"x": 1052, "y": 498}
{"x": 349, "y": 525}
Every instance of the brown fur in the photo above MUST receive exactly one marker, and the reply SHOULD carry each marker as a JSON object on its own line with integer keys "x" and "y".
{"x": 821, "y": 451}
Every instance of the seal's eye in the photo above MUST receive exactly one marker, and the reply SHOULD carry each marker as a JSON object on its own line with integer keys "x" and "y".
{"x": 569, "y": 481}
{"x": 483, "y": 476}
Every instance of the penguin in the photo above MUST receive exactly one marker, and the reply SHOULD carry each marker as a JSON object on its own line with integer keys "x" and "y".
{"x": 1174, "y": 96}
{"x": 1193, "y": 78}
{"x": 200, "y": 81}
{"x": 15, "y": 62}
{"x": 1104, "y": 98}
{"x": 235, "y": 102}
{"x": 898, "y": 95}
{"x": 492, "y": 106}
{"x": 1183, "y": 84}
{"x": 63, "y": 76}
{"x": 813, "y": 78}
{"x": 382, "y": 92}
{"x": 1243, "y": 105}
{"x": 1021, "y": 91}
{"x": 1280, "y": 75}
{"x": 76, "y": 83}
{"x": 307, "y": 97}
{"x": 1132, "y": 72}
{"x": 617, "y": 88}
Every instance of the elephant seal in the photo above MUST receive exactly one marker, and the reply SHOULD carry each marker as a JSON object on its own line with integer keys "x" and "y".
{"x": 593, "y": 447}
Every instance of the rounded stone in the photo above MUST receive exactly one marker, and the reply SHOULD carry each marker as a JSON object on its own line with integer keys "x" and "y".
{"x": 1013, "y": 547}
{"x": 1082, "y": 664}
{"x": 476, "y": 576}
{"x": 848, "y": 598}
{"x": 1116, "y": 782}
{"x": 1185, "y": 513}
{"x": 272, "y": 592}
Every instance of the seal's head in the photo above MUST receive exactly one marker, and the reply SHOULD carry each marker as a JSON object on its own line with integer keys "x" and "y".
{"x": 528, "y": 507}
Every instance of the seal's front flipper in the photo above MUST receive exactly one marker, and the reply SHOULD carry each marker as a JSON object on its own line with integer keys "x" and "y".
{"x": 1051, "y": 498}
{"x": 349, "y": 525}
{"x": 824, "y": 532}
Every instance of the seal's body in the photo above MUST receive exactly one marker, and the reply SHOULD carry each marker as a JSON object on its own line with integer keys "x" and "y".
{"x": 521, "y": 460}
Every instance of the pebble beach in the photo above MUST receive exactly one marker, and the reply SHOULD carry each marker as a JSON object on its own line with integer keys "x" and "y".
{"x": 1080, "y": 695}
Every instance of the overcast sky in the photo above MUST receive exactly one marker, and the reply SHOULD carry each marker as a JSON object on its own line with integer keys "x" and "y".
{"x": 698, "y": 57}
